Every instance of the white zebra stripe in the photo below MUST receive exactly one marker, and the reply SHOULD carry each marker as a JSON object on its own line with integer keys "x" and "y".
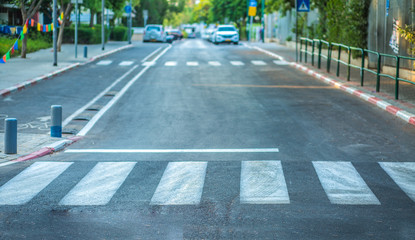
{"x": 343, "y": 184}
{"x": 27, "y": 184}
{"x": 99, "y": 185}
{"x": 181, "y": 184}
{"x": 263, "y": 182}
{"x": 403, "y": 173}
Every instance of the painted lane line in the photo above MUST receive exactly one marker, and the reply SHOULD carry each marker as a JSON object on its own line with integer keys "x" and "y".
{"x": 214, "y": 63}
{"x": 104, "y": 62}
{"x": 280, "y": 62}
{"x": 237, "y": 63}
{"x": 99, "y": 185}
{"x": 103, "y": 110}
{"x": 192, "y": 64}
{"x": 170, "y": 63}
{"x": 258, "y": 62}
{"x": 403, "y": 173}
{"x": 263, "y": 182}
{"x": 126, "y": 63}
{"x": 243, "y": 150}
{"x": 82, "y": 109}
{"x": 343, "y": 184}
{"x": 27, "y": 184}
{"x": 181, "y": 184}
{"x": 151, "y": 54}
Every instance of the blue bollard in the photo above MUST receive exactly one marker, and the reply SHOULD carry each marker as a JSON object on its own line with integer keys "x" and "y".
{"x": 56, "y": 128}
{"x": 10, "y": 136}
{"x": 85, "y": 52}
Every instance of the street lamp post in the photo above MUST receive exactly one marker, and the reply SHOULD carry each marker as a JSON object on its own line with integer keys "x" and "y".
{"x": 129, "y": 24}
{"x": 102, "y": 26}
{"x": 55, "y": 49}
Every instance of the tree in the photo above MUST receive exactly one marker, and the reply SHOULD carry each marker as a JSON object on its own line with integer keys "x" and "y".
{"x": 28, "y": 8}
{"x": 94, "y": 6}
{"x": 65, "y": 8}
{"x": 408, "y": 33}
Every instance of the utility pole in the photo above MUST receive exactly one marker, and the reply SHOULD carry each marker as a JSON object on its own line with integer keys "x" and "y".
{"x": 55, "y": 24}
{"x": 76, "y": 28}
{"x": 296, "y": 31}
{"x": 129, "y": 24}
{"x": 263, "y": 21}
{"x": 102, "y": 25}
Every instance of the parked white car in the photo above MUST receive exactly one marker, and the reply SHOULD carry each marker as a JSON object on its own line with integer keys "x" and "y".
{"x": 154, "y": 33}
{"x": 226, "y": 34}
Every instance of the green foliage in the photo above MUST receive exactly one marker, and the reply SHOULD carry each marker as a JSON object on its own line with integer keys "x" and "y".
{"x": 157, "y": 10}
{"x": 119, "y": 33}
{"x": 33, "y": 45}
{"x": 408, "y": 33}
{"x": 86, "y": 34}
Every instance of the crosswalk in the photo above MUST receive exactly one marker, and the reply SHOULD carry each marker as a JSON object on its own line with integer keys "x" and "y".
{"x": 196, "y": 63}
{"x": 182, "y": 183}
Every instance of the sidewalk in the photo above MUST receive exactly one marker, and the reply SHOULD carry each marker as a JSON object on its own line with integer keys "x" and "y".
{"x": 18, "y": 74}
{"x": 406, "y": 103}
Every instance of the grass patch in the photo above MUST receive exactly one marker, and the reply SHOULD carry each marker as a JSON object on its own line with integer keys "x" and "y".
{"x": 33, "y": 44}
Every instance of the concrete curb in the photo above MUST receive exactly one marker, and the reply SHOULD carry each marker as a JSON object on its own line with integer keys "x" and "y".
{"x": 31, "y": 82}
{"x": 52, "y": 148}
{"x": 384, "y": 105}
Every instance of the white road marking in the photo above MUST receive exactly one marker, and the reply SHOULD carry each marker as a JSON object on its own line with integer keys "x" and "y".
{"x": 263, "y": 182}
{"x": 343, "y": 184}
{"x": 181, "y": 184}
{"x": 243, "y": 150}
{"x": 281, "y": 62}
{"x": 104, "y": 62}
{"x": 79, "y": 111}
{"x": 237, "y": 63}
{"x": 258, "y": 62}
{"x": 99, "y": 185}
{"x": 214, "y": 63}
{"x": 149, "y": 64}
{"x": 103, "y": 110}
{"x": 126, "y": 63}
{"x": 403, "y": 173}
{"x": 27, "y": 184}
{"x": 192, "y": 64}
{"x": 151, "y": 54}
{"x": 170, "y": 63}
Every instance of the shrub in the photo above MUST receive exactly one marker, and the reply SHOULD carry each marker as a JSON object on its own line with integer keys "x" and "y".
{"x": 33, "y": 44}
{"x": 86, "y": 34}
{"x": 120, "y": 33}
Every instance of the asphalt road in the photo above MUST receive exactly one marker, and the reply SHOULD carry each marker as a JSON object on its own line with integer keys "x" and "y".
{"x": 209, "y": 142}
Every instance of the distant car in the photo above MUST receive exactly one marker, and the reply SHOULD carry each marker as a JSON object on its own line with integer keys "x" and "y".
{"x": 176, "y": 33}
{"x": 191, "y": 32}
{"x": 226, "y": 33}
{"x": 154, "y": 33}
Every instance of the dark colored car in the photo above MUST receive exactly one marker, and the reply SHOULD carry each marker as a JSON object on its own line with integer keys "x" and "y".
{"x": 177, "y": 34}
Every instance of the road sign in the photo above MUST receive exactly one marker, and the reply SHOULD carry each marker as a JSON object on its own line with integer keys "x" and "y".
{"x": 127, "y": 9}
{"x": 303, "y": 5}
{"x": 252, "y": 8}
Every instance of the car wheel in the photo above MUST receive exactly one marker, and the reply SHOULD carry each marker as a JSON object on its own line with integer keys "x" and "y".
{"x": 236, "y": 43}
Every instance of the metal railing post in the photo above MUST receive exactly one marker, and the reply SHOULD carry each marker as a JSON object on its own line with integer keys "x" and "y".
{"x": 348, "y": 63}
{"x": 301, "y": 50}
{"x": 329, "y": 57}
{"x": 378, "y": 74}
{"x": 397, "y": 78}
{"x": 338, "y": 61}
{"x": 362, "y": 70}
{"x": 306, "y": 51}
{"x": 319, "y": 55}
{"x": 312, "y": 54}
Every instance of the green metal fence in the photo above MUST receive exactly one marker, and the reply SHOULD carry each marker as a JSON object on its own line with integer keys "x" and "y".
{"x": 309, "y": 47}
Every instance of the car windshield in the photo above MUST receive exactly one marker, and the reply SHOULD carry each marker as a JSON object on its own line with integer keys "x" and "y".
{"x": 226, "y": 29}
{"x": 151, "y": 28}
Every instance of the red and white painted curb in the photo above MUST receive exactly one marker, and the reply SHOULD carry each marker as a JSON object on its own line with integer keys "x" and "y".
{"x": 31, "y": 82}
{"x": 55, "y": 147}
{"x": 394, "y": 110}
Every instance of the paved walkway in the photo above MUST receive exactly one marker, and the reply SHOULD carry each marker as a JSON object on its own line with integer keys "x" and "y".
{"x": 19, "y": 73}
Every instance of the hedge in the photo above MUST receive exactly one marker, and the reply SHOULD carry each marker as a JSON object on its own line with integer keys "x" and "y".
{"x": 86, "y": 34}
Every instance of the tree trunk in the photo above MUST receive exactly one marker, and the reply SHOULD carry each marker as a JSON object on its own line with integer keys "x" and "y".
{"x": 28, "y": 14}
{"x": 91, "y": 20}
{"x": 65, "y": 19}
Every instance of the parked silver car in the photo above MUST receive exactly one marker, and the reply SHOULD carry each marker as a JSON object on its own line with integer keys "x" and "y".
{"x": 154, "y": 33}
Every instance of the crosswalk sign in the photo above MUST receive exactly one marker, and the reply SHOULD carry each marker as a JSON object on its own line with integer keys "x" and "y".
{"x": 252, "y": 8}
{"x": 303, "y": 5}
